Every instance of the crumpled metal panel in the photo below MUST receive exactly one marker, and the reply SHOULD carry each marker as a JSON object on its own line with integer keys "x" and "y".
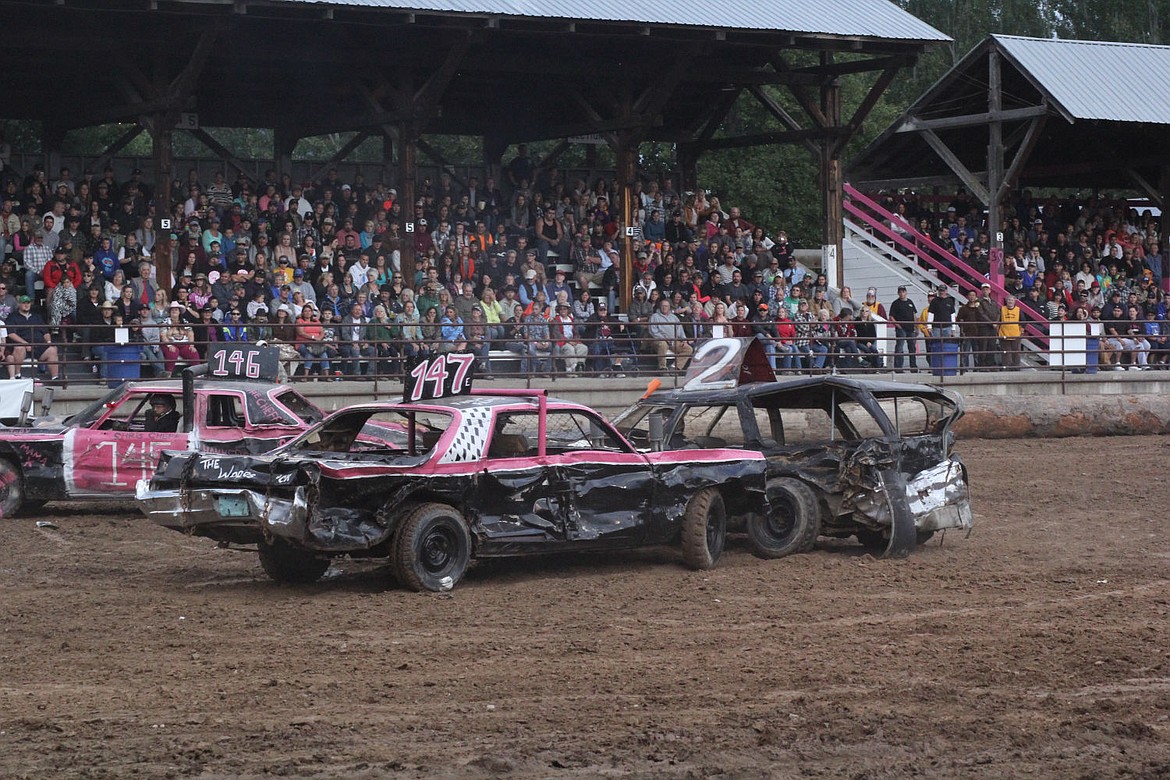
{"x": 939, "y": 497}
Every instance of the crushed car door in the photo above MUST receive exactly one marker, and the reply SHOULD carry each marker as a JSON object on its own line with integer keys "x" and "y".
{"x": 110, "y": 456}
{"x": 608, "y": 486}
{"x": 520, "y": 499}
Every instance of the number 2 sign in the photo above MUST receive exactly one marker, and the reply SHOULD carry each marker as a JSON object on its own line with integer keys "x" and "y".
{"x": 728, "y": 362}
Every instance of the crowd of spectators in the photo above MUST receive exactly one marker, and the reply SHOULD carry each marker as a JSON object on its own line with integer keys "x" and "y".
{"x": 526, "y": 267}
{"x": 1094, "y": 260}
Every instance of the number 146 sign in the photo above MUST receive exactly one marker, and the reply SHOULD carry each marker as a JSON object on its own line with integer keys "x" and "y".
{"x": 438, "y": 376}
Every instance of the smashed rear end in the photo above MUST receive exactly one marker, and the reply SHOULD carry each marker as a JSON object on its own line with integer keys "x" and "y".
{"x": 232, "y": 499}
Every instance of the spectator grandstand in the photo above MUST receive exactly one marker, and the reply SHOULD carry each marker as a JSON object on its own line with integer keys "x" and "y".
{"x": 523, "y": 270}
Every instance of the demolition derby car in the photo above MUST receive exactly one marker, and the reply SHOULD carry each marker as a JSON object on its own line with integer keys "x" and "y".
{"x": 104, "y": 449}
{"x": 846, "y": 457}
{"x": 434, "y": 482}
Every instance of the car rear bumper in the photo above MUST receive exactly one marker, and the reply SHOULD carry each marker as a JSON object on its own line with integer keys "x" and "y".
{"x": 220, "y": 512}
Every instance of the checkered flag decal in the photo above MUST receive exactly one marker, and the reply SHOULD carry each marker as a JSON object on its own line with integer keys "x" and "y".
{"x": 471, "y": 439}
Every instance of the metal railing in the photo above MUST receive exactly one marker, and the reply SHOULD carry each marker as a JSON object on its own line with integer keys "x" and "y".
{"x": 1075, "y": 347}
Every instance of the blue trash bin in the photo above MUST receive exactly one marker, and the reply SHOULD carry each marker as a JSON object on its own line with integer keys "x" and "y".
{"x": 944, "y": 359}
{"x": 1092, "y": 354}
{"x": 122, "y": 363}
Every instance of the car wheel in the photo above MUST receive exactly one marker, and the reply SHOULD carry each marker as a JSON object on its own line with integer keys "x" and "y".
{"x": 285, "y": 563}
{"x": 11, "y": 489}
{"x": 792, "y": 523}
{"x": 704, "y": 529}
{"x": 432, "y": 548}
{"x": 874, "y": 541}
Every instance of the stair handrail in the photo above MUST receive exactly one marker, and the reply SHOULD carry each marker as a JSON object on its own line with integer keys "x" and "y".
{"x": 961, "y": 282}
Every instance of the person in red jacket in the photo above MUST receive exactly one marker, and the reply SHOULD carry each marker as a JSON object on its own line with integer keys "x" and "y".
{"x": 58, "y": 268}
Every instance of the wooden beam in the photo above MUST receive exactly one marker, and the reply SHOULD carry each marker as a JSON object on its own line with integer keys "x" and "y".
{"x": 553, "y": 155}
{"x": 220, "y": 151}
{"x": 960, "y": 170}
{"x": 564, "y": 131}
{"x": 1164, "y": 197}
{"x": 778, "y": 137}
{"x": 367, "y": 121}
{"x": 870, "y": 100}
{"x": 594, "y": 118}
{"x": 171, "y": 99}
{"x": 118, "y": 145}
{"x": 802, "y": 96}
{"x": 914, "y": 124}
{"x": 709, "y": 122}
{"x": 441, "y": 161}
{"x": 1152, "y": 192}
{"x": 745, "y": 77}
{"x": 779, "y": 112}
{"x": 659, "y": 91}
{"x": 340, "y": 154}
{"x": 857, "y": 66}
{"x": 1023, "y": 152}
{"x": 432, "y": 90}
{"x": 180, "y": 88}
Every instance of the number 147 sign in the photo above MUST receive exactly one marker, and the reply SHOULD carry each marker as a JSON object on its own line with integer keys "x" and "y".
{"x": 438, "y": 376}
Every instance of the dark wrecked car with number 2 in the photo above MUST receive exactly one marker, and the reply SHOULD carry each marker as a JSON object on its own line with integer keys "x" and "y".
{"x": 847, "y": 457}
{"x": 433, "y": 483}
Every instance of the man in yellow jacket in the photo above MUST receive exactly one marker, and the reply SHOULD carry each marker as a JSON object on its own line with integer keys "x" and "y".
{"x": 1009, "y": 333}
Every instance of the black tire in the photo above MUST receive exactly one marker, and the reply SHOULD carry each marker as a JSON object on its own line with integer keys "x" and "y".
{"x": 792, "y": 524}
{"x": 32, "y": 506}
{"x": 11, "y": 490}
{"x": 704, "y": 529}
{"x": 874, "y": 541}
{"x": 432, "y": 548}
{"x": 877, "y": 542}
{"x": 285, "y": 563}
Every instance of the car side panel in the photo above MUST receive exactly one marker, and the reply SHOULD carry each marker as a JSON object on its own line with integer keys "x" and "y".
{"x": 39, "y": 457}
{"x": 519, "y": 506}
{"x": 609, "y": 496}
{"x": 99, "y": 462}
{"x": 740, "y": 476}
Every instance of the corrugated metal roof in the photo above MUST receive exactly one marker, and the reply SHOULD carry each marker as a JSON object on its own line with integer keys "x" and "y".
{"x": 875, "y": 19}
{"x": 1115, "y": 82}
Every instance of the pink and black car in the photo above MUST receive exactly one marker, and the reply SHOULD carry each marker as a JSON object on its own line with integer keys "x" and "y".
{"x": 433, "y": 483}
{"x": 106, "y": 448}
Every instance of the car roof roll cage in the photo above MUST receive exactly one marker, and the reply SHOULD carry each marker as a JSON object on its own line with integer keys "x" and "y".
{"x": 540, "y": 395}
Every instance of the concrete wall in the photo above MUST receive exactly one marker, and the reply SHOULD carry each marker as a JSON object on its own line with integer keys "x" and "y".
{"x": 999, "y": 405}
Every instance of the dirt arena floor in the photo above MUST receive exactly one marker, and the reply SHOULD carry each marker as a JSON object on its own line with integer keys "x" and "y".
{"x": 1037, "y": 647}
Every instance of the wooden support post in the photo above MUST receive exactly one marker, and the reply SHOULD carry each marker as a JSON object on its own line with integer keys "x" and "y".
{"x": 52, "y": 139}
{"x": 994, "y": 160}
{"x": 1164, "y": 222}
{"x": 284, "y": 141}
{"x": 389, "y": 174}
{"x": 162, "y": 128}
{"x": 831, "y": 180}
{"x": 627, "y": 154}
{"x": 688, "y": 162}
{"x": 408, "y": 133}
